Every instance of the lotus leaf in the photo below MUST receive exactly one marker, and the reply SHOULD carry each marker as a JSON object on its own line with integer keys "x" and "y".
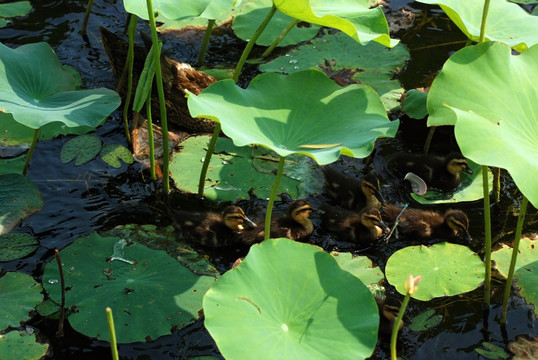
{"x": 12, "y": 132}
{"x": 293, "y": 302}
{"x": 149, "y": 297}
{"x": 347, "y": 62}
{"x": 19, "y": 294}
{"x": 414, "y": 104}
{"x": 16, "y": 245}
{"x": 84, "y": 148}
{"x": 447, "y": 269}
{"x": 21, "y": 345}
{"x": 304, "y": 113}
{"x": 251, "y": 16}
{"x": 42, "y": 93}
{"x": 495, "y": 126}
{"x": 181, "y": 9}
{"x": 12, "y": 166}
{"x": 507, "y": 22}
{"x": 20, "y": 198}
{"x": 359, "y": 266}
{"x": 113, "y": 153}
{"x": 18, "y": 8}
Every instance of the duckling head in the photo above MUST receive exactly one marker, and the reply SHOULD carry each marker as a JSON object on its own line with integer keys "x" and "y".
{"x": 370, "y": 188}
{"x": 370, "y": 217}
{"x": 235, "y": 219}
{"x": 456, "y": 163}
{"x": 300, "y": 211}
{"x": 458, "y": 222}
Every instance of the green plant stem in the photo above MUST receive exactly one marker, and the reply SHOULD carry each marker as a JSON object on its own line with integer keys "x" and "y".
{"x": 129, "y": 65}
{"x": 496, "y": 184}
{"x": 62, "y": 287}
{"x": 160, "y": 91}
{"x": 207, "y": 159}
{"x": 429, "y": 139}
{"x": 272, "y": 196}
{"x": 251, "y": 43}
{"x": 150, "y": 138}
{"x": 86, "y": 17}
{"x": 515, "y": 250}
{"x": 201, "y": 55}
{"x": 487, "y": 237}
{"x": 279, "y": 38}
{"x": 30, "y": 152}
{"x": 396, "y": 327}
{"x": 113, "y": 343}
{"x": 484, "y": 21}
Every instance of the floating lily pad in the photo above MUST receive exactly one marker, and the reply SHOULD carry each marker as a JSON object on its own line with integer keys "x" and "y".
{"x": 16, "y": 245}
{"x": 507, "y": 22}
{"x": 359, "y": 266}
{"x": 84, "y": 148}
{"x": 492, "y": 351}
{"x": 21, "y": 345}
{"x": 427, "y": 320}
{"x": 495, "y": 125}
{"x": 155, "y": 287}
{"x": 293, "y": 302}
{"x": 10, "y": 10}
{"x": 347, "y": 62}
{"x": 526, "y": 269}
{"x": 470, "y": 190}
{"x": 20, "y": 198}
{"x": 447, "y": 269}
{"x": 19, "y": 294}
{"x": 251, "y": 16}
{"x": 414, "y": 104}
{"x": 296, "y": 114}
{"x": 113, "y": 153}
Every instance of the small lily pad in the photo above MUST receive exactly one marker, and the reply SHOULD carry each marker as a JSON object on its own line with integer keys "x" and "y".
{"x": 16, "y": 245}
{"x": 21, "y": 345}
{"x": 113, "y": 153}
{"x": 18, "y": 8}
{"x": 447, "y": 269}
{"x": 427, "y": 320}
{"x": 492, "y": 351}
{"x": 84, "y": 148}
{"x": 20, "y": 198}
{"x": 19, "y": 294}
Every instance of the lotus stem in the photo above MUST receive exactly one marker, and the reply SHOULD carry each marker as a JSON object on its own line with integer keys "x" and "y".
{"x": 515, "y": 250}
{"x": 113, "y": 343}
{"x": 86, "y": 17}
{"x": 484, "y": 21}
{"x": 62, "y": 287}
{"x": 207, "y": 159}
{"x": 251, "y": 43}
{"x": 496, "y": 184}
{"x": 272, "y": 198}
{"x": 129, "y": 66}
{"x": 151, "y": 140}
{"x": 30, "y": 152}
{"x": 396, "y": 327}
{"x": 279, "y": 38}
{"x": 160, "y": 91}
{"x": 201, "y": 55}
{"x": 487, "y": 237}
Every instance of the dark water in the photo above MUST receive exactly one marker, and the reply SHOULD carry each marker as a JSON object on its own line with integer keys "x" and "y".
{"x": 95, "y": 197}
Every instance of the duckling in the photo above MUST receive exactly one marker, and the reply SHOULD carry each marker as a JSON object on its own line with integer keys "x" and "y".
{"x": 351, "y": 193}
{"x": 216, "y": 230}
{"x": 443, "y": 173}
{"x": 364, "y": 227}
{"x": 426, "y": 224}
{"x": 388, "y": 312}
{"x": 294, "y": 225}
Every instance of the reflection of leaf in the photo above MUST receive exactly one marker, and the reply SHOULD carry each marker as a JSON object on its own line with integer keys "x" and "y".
{"x": 425, "y": 321}
{"x": 84, "y": 148}
{"x": 113, "y": 153}
{"x": 492, "y": 351}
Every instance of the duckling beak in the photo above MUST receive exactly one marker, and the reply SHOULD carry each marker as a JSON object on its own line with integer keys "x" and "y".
{"x": 468, "y": 170}
{"x": 249, "y": 223}
{"x": 466, "y": 236}
{"x": 383, "y": 227}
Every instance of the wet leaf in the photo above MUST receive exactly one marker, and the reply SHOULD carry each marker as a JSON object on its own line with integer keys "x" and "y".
{"x": 492, "y": 351}
{"x": 16, "y": 245}
{"x": 20, "y": 198}
{"x": 19, "y": 294}
{"x": 21, "y": 345}
{"x": 84, "y": 148}
{"x": 425, "y": 321}
{"x": 113, "y": 153}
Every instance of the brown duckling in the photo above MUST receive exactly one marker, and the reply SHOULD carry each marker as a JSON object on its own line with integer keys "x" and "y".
{"x": 294, "y": 225}
{"x": 388, "y": 312}
{"x": 439, "y": 172}
{"x": 425, "y": 224}
{"x": 351, "y": 193}
{"x": 215, "y": 230}
{"x": 364, "y": 227}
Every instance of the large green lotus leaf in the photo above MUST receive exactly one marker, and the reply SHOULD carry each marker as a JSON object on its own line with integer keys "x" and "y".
{"x": 181, "y": 9}
{"x": 359, "y": 266}
{"x": 507, "y": 22}
{"x": 148, "y": 297}
{"x": 16, "y": 245}
{"x": 20, "y": 198}
{"x": 353, "y": 17}
{"x": 19, "y": 8}
{"x": 447, "y": 269}
{"x": 347, "y": 62}
{"x": 21, "y": 345}
{"x": 495, "y": 125}
{"x": 470, "y": 190}
{"x": 19, "y": 294}
{"x": 526, "y": 269}
{"x": 39, "y": 93}
{"x": 252, "y": 14}
{"x": 304, "y": 113}
{"x": 290, "y": 300}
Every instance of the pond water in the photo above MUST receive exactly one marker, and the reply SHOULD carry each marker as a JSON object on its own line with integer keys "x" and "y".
{"x": 95, "y": 197}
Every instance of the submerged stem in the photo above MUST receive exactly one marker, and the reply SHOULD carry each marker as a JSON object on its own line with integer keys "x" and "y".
{"x": 515, "y": 250}
{"x": 30, "y": 152}
{"x": 272, "y": 198}
{"x": 487, "y": 234}
{"x": 203, "y": 49}
{"x": 279, "y": 38}
{"x": 207, "y": 159}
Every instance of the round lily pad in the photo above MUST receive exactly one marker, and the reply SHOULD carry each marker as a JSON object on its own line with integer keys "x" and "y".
{"x": 19, "y": 294}
{"x": 84, "y": 148}
{"x": 447, "y": 269}
{"x": 113, "y": 153}
{"x": 16, "y": 245}
{"x": 290, "y": 300}
{"x": 141, "y": 284}
{"x": 21, "y": 345}
{"x": 20, "y": 198}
